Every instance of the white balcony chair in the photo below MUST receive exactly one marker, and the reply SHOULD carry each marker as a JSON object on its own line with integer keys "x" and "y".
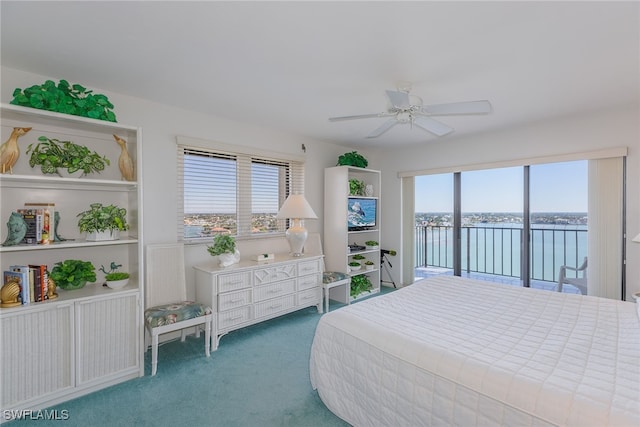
{"x": 166, "y": 294}
{"x": 579, "y": 282}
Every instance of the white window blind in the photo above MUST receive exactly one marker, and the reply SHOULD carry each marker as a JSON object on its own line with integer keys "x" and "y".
{"x": 232, "y": 192}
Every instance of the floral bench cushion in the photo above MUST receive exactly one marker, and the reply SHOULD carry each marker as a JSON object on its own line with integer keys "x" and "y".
{"x": 333, "y": 276}
{"x": 171, "y": 313}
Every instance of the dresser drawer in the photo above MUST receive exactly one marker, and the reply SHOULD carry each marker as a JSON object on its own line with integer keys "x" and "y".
{"x": 308, "y": 267}
{"x": 274, "y": 274}
{"x": 261, "y": 293}
{"x": 234, "y": 281}
{"x": 307, "y": 282}
{"x": 234, "y": 317}
{"x": 236, "y": 299}
{"x": 309, "y": 297}
{"x": 276, "y": 305}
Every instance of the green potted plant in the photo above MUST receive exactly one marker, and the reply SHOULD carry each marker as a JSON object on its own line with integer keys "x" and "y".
{"x": 53, "y": 156}
{"x": 360, "y": 284}
{"x": 369, "y": 265}
{"x": 354, "y": 266}
{"x": 352, "y": 159}
{"x": 65, "y": 98}
{"x": 115, "y": 279}
{"x": 358, "y": 257}
{"x": 356, "y": 187}
{"x": 72, "y": 274}
{"x": 103, "y": 222}
{"x": 371, "y": 244}
{"x": 224, "y": 247}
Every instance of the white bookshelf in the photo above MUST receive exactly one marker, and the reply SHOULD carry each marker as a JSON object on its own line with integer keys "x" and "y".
{"x": 337, "y": 236}
{"x": 90, "y": 338}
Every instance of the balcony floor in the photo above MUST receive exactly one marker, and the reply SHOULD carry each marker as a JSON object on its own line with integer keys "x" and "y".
{"x": 424, "y": 272}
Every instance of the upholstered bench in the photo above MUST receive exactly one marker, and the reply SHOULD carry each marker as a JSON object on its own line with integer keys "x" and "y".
{"x": 173, "y": 317}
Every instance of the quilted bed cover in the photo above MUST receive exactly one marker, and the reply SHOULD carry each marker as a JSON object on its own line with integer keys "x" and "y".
{"x": 455, "y": 351}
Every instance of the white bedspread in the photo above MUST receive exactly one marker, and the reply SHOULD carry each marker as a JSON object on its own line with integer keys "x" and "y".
{"x": 454, "y": 351}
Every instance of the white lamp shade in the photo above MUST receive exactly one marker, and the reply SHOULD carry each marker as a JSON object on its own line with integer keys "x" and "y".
{"x": 636, "y": 239}
{"x": 296, "y": 206}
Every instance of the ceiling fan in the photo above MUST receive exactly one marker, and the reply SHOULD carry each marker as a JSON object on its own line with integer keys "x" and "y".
{"x": 405, "y": 108}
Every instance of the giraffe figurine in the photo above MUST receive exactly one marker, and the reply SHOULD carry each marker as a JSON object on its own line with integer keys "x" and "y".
{"x": 9, "y": 151}
{"x": 125, "y": 162}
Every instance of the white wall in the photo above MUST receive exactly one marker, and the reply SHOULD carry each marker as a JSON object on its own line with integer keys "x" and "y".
{"x": 160, "y": 126}
{"x": 563, "y": 135}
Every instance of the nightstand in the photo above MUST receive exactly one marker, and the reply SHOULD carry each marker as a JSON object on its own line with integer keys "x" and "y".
{"x": 333, "y": 279}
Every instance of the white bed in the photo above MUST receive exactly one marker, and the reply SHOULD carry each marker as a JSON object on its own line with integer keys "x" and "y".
{"x": 455, "y": 351}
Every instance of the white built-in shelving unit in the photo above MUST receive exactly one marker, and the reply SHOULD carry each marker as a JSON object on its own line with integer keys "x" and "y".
{"x": 89, "y": 338}
{"x": 337, "y": 236}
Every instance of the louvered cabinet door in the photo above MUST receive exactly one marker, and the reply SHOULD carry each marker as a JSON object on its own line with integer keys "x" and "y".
{"x": 107, "y": 333}
{"x": 37, "y": 355}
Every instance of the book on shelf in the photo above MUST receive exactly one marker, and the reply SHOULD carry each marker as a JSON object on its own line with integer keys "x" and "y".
{"x": 32, "y": 281}
{"x": 23, "y": 270}
{"x": 40, "y": 281}
{"x": 32, "y": 291}
{"x": 33, "y": 218}
{"x": 47, "y": 211}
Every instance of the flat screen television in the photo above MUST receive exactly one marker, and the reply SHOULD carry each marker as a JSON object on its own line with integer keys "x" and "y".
{"x": 361, "y": 213}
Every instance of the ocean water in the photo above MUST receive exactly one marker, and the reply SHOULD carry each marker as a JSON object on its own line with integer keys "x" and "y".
{"x": 497, "y": 248}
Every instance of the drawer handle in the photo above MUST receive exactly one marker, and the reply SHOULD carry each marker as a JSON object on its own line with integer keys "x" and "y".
{"x": 235, "y": 317}
{"x": 275, "y": 291}
{"x": 236, "y": 300}
{"x": 275, "y": 306}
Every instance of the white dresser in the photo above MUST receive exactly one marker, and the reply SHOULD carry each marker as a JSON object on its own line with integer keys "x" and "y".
{"x": 250, "y": 292}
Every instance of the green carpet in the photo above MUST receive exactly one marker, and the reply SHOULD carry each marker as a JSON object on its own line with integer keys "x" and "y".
{"x": 259, "y": 376}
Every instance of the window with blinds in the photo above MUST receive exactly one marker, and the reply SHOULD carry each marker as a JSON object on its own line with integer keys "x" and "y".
{"x": 233, "y": 193}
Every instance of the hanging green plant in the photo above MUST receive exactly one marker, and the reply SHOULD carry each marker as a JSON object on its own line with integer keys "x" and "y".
{"x": 65, "y": 98}
{"x": 352, "y": 159}
{"x": 51, "y": 154}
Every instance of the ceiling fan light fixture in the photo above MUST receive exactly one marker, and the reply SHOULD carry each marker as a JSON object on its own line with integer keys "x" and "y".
{"x": 406, "y": 108}
{"x": 404, "y": 117}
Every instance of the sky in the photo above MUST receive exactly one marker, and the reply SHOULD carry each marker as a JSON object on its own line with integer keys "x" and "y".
{"x": 555, "y": 187}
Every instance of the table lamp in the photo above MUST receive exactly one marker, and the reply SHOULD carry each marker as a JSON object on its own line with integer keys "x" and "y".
{"x": 296, "y": 208}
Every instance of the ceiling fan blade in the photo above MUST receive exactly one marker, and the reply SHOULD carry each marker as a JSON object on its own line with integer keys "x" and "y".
{"x": 399, "y": 99}
{"x": 432, "y": 125}
{"x": 383, "y": 128}
{"x": 361, "y": 116}
{"x": 471, "y": 107}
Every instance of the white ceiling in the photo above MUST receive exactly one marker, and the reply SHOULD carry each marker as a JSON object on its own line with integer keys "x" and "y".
{"x": 291, "y": 65}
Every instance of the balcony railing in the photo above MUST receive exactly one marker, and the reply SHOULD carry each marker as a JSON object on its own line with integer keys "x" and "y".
{"x": 497, "y": 250}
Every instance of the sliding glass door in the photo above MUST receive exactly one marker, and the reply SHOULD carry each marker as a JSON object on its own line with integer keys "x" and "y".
{"x": 515, "y": 225}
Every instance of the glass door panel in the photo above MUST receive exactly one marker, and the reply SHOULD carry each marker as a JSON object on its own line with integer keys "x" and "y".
{"x": 558, "y": 205}
{"x": 491, "y": 234}
{"x": 433, "y": 225}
